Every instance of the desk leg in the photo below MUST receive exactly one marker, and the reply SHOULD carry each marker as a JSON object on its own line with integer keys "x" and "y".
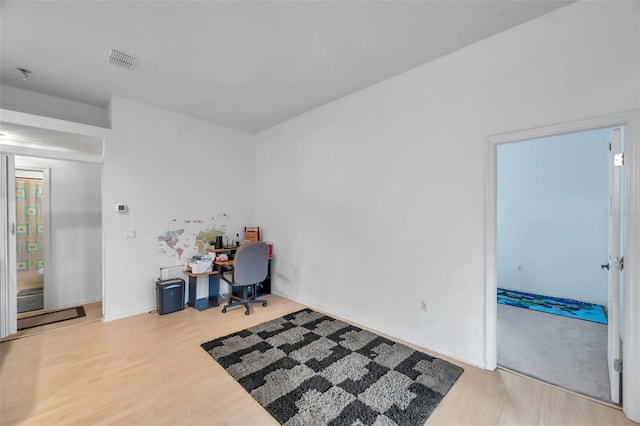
{"x": 214, "y": 289}
{"x": 193, "y": 290}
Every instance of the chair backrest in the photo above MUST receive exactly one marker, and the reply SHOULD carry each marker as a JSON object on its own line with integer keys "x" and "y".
{"x": 250, "y": 263}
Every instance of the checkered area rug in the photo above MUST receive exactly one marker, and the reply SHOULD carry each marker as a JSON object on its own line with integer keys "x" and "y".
{"x": 307, "y": 368}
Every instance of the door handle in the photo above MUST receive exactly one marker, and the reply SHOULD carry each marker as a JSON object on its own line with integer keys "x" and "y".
{"x": 13, "y": 228}
{"x": 617, "y": 262}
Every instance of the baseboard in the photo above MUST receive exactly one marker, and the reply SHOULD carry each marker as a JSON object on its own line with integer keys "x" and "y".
{"x": 74, "y": 304}
{"x": 107, "y": 318}
{"x": 475, "y": 362}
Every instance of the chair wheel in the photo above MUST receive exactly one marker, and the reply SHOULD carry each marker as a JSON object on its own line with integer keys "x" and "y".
{"x": 246, "y": 312}
{"x": 224, "y": 310}
{"x": 264, "y": 304}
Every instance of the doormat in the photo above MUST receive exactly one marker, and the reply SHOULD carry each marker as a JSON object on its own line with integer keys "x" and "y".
{"x": 31, "y": 299}
{"x": 553, "y": 305}
{"x": 30, "y": 291}
{"x": 307, "y": 368}
{"x": 51, "y": 317}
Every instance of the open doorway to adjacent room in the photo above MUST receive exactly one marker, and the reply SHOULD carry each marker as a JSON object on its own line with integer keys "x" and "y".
{"x": 51, "y": 227}
{"x": 552, "y": 238}
{"x": 30, "y": 239}
{"x": 67, "y": 232}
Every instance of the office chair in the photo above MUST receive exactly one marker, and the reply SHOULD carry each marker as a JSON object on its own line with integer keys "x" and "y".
{"x": 249, "y": 268}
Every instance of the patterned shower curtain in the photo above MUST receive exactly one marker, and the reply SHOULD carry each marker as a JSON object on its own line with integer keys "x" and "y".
{"x": 29, "y": 232}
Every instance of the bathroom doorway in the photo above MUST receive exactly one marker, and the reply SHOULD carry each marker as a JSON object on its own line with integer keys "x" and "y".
{"x": 31, "y": 242}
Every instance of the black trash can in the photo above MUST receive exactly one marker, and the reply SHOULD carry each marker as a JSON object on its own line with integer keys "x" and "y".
{"x": 169, "y": 295}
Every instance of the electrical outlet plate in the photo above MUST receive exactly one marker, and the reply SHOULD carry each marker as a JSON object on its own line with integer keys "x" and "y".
{"x": 424, "y": 306}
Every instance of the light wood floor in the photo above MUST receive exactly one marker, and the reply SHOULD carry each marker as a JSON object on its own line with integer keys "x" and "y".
{"x": 150, "y": 369}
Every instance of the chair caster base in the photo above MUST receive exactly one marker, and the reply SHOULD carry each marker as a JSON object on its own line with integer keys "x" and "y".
{"x": 224, "y": 310}
{"x": 264, "y": 304}
{"x": 247, "y": 312}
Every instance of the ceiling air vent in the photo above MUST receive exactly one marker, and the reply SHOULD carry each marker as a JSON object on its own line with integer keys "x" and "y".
{"x": 122, "y": 59}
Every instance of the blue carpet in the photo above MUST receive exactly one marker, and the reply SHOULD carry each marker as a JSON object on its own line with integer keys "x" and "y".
{"x": 553, "y": 305}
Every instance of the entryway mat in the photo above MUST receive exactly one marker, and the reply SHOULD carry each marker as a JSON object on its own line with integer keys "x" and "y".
{"x": 32, "y": 302}
{"x": 553, "y": 305}
{"x": 51, "y": 317}
{"x": 30, "y": 291}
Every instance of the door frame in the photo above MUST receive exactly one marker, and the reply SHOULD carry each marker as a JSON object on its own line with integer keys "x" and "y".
{"x": 631, "y": 320}
{"x": 615, "y": 224}
{"x": 8, "y": 255}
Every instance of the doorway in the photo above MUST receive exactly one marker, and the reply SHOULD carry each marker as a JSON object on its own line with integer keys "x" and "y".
{"x": 630, "y": 321}
{"x": 552, "y": 237}
{"x": 72, "y": 154}
{"x": 69, "y": 220}
{"x": 31, "y": 210}
{"x": 73, "y": 272}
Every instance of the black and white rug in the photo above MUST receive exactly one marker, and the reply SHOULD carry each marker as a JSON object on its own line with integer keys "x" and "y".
{"x": 307, "y": 368}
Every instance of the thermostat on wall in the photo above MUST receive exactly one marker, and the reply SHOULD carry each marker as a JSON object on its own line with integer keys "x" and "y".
{"x": 121, "y": 207}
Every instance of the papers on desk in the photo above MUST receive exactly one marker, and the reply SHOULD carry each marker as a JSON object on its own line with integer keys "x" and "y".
{"x": 200, "y": 265}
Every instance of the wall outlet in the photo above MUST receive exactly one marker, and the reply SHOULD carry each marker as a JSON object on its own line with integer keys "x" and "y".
{"x": 424, "y": 306}
{"x": 130, "y": 234}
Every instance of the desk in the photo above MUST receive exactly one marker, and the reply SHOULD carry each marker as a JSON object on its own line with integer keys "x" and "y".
{"x": 266, "y": 284}
{"x": 223, "y": 249}
{"x": 212, "y": 295}
{"x": 229, "y": 251}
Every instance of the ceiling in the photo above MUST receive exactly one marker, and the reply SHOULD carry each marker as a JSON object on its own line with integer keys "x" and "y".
{"x": 247, "y": 65}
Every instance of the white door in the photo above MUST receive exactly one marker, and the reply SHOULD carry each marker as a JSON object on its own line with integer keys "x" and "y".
{"x": 615, "y": 265}
{"x": 8, "y": 269}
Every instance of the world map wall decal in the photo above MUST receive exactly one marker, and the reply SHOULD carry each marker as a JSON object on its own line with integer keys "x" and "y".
{"x": 190, "y": 235}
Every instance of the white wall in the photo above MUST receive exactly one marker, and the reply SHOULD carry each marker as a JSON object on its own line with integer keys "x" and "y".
{"x": 74, "y": 273}
{"x": 15, "y": 99}
{"x": 168, "y": 168}
{"x": 377, "y": 201}
{"x": 552, "y": 204}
